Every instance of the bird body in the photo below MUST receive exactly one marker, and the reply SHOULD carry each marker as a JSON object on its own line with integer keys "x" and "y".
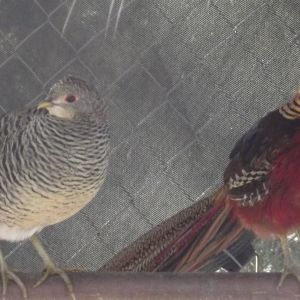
{"x": 261, "y": 193}
{"x": 278, "y": 212}
{"x": 49, "y": 169}
{"x": 15, "y": 233}
{"x": 263, "y": 176}
{"x": 53, "y": 160}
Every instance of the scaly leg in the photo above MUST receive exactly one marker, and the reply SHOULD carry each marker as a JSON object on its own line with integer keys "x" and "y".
{"x": 7, "y": 274}
{"x": 51, "y": 268}
{"x": 290, "y": 267}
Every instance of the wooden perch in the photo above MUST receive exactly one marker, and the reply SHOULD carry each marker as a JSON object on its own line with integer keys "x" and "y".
{"x": 154, "y": 286}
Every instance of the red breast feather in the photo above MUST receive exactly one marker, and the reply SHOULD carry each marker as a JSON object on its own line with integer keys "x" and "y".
{"x": 279, "y": 212}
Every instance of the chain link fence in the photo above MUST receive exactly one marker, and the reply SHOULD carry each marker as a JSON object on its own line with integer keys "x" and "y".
{"x": 183, "y": 80}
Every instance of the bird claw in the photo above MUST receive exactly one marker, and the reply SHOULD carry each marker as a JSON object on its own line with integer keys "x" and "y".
{"x": 51, "y": 269}
{"x": 289, "y": 270}
{"x": 7, "y": 274}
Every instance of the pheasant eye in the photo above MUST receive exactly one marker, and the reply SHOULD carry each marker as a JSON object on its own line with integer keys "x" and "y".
{"x": 70, "y": 98}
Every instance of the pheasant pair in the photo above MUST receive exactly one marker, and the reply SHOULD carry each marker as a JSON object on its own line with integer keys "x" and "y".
{"x": 53, "y": 159}
{"x": 261, "y": 192}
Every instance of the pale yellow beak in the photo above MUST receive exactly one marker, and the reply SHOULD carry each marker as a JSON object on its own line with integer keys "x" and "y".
{"x": 45, "y": 104}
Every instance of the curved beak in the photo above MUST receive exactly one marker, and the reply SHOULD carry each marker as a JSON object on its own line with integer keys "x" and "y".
{"x": 44, "y": 104}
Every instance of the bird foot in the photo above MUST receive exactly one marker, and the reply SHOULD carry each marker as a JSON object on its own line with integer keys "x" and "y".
{"x": 289, "y": 270}
{"x": 7, "y": 274}
{"x": 51, "y": 269}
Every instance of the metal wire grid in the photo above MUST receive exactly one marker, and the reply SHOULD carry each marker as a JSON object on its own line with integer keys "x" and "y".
{"x": 183, "y": 80}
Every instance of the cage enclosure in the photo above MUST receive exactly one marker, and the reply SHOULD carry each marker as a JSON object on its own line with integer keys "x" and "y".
{"x": 183, "y": 80}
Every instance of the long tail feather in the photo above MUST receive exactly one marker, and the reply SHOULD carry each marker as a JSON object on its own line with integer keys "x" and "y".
{"x": 195, "y": 239}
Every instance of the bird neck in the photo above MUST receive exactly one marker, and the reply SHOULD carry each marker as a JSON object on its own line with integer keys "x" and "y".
{"x": 81, "y": 126}
{"x": 291, "y": 110}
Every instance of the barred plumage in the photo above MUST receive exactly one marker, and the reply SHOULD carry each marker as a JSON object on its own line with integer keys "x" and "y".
{"x": 49, "y": 167}
{"x": 53, "y": 160}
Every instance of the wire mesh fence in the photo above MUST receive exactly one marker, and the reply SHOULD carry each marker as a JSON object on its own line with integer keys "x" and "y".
{"x": 183, "y": 81}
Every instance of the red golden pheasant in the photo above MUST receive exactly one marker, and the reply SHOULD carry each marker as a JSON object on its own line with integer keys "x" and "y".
{"x": 261, "y": 192}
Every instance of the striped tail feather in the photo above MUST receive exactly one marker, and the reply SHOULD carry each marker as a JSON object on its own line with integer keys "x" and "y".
{"x": 202, "y": 237}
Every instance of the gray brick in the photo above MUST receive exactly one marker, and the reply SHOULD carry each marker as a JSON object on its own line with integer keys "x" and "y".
{"x": 133, "y": 166}
{"x": 161, "y": 200}
{"x": 80, "y": 233}
{"x": 90, "y": 257}
{"x": 46, "y": 52}
{"x": 111, "y": 199}
{"x": 284, "y": 70}
{"x": 203, "y": 29}
{"x": 258, "y": 97}
{"x": 178, "y": 12}
{"x": 49, "y": 6}
{"x": 238, "y": 116}
{"x": 142, "y": 23}
{"x": 197, "y": 97}
{"x": 169, "y": 60}
{"x": 237, "y": 12}
{"x": 137, "y": 94}
{"x": 192, "y": 169}
{"x": 230, "y": 65}
{"x": 25, "y": 259}
{"x": 125, "y": 229}
{"x": 18, "y": 86}
{"x": 108, "y": 59}
{"x": 219, "y": 135}
{"x": 165, "y": 132}
{"x": 119, "y": 126}
{"x": 9, "y": 248}
{"x": 264, "y": 34}
{"x": 288, "y": 11}
{"x": 13, "y": 32}
{"x": 176, "y": 55}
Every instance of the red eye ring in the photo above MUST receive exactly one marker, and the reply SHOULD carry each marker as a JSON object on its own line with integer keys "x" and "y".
{"x": 70, "y": 98}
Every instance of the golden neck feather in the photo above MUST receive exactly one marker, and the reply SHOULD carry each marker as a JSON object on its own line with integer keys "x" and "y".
{"x": 291, "y": 110}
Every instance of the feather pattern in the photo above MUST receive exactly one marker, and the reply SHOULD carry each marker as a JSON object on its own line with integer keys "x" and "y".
{"x": 49, "y": 167}
{"x": 262, "y": 176}
{"x": 252, "y": 158}
{"x": 186, "y": 242}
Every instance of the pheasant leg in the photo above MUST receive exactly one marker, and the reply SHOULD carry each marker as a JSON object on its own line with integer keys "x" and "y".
{"x": 7, "y": 274}
{"x": 290, "y": 267}
{"x": 50, "y": 267}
